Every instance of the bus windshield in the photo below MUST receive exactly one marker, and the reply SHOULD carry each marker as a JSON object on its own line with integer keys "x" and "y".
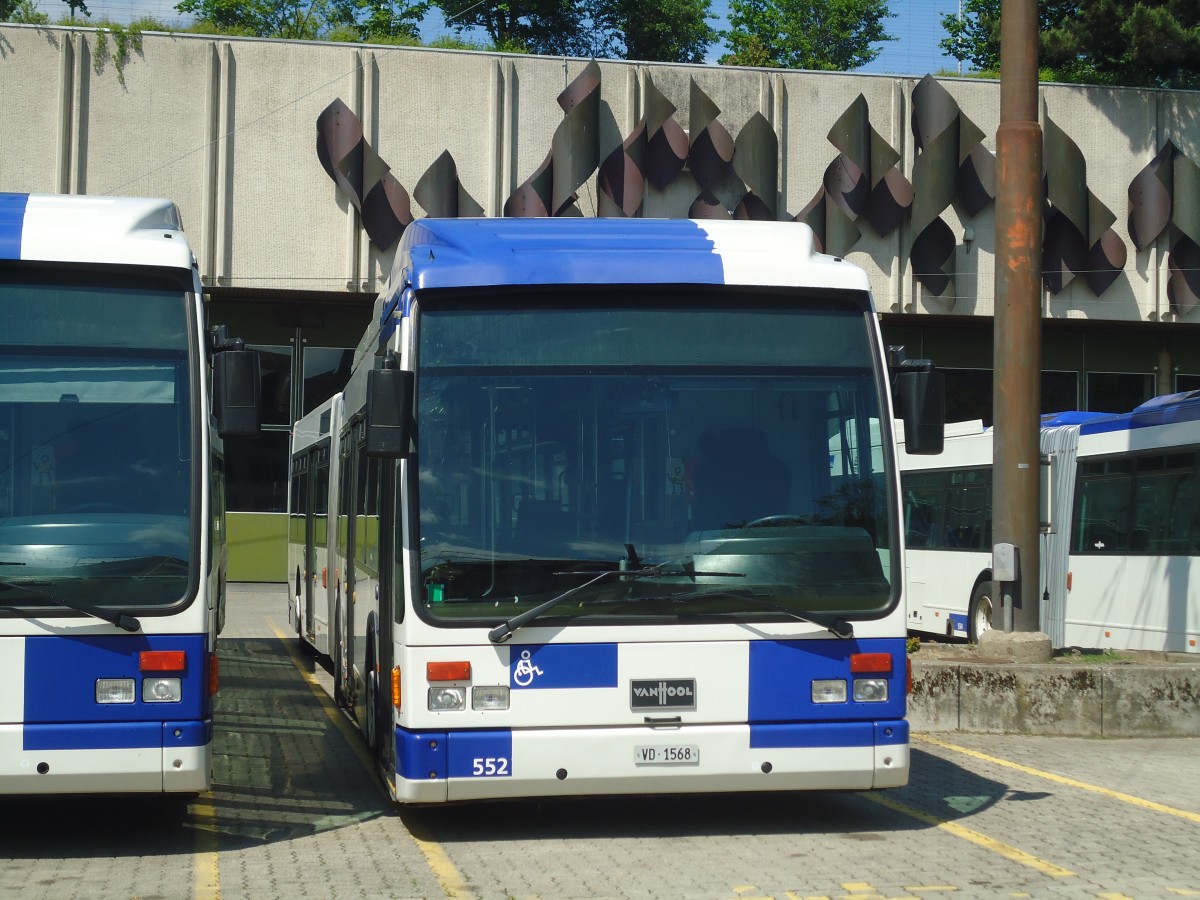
{"x": 711, "y": 463}
{"x": 96, "y": 441}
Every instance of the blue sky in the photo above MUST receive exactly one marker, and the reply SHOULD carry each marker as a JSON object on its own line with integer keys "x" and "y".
{"x": 917, "y": 25}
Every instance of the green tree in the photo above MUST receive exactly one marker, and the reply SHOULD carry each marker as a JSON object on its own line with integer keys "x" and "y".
{"x": 677, "y": 31}
{"x": 22, "y": 12}
{"x": 1145, "y": 43}
{"x": 77, "y": 7}
{"x": 379, "y": 20}
{"x": 829, "y": 35}
{"x": 259, "y": 18}
{"x": 551, "y": 27}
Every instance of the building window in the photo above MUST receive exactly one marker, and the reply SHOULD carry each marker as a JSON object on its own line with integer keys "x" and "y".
{"x": 1118, "y": 392}
{"x": 1187, "y": 383}
{"x": 969, "y": 393}
{"x": 275, "y": 365}
{"x": 256, "y": 472}
{"x": 326, "y": 371}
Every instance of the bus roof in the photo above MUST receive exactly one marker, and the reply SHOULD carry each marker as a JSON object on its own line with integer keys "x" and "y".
{"x": 450, "y": 253}
{"x": 70, "y": 228}
{"x": 1166, "y": 410}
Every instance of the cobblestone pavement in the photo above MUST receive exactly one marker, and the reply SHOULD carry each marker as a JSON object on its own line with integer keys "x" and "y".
{"x": 296, "y": 812}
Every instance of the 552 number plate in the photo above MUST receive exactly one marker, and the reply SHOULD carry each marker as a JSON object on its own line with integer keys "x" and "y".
{"x": 666, "y": 755}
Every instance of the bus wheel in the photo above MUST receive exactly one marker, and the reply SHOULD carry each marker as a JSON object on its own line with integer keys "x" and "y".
{"x": 372, "y": 711}
{"x": 979, "y": 615}
{"x": 339, "y": 661}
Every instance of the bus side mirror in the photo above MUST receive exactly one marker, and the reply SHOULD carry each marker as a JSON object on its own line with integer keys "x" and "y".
{"x": 237, "y": 391}
{"x": 920, "y": 398}
{"x": 389, "y": 412}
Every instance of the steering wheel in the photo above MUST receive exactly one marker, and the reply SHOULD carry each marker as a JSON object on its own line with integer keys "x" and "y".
{"x": 777, "y": 521}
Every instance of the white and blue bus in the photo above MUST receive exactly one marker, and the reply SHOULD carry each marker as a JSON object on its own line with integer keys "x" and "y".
{"x": 1120, "y": 544}
{"x": 112, "y": 543}
{"x": 609, "y": 517}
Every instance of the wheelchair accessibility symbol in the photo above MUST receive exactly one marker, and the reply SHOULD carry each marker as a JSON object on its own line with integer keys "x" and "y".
{"x": 525, "y": 670}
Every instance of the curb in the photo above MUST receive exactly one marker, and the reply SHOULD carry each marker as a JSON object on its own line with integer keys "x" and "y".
{"x": 1056, "y": 699}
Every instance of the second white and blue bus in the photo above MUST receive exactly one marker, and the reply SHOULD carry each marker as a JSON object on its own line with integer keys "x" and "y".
{"x": 112, "y": 539}
{"x": 603, "y": 514}
{"x": 1120, "y": 548}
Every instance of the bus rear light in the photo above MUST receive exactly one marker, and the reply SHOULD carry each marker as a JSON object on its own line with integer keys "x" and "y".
{"x": 870, "y": 663}
{"x": 115, "y": 690}
{"x": 908, "y": 681}
{"x": 1068, "y": 581}
{"x": 162, "y": 661}
{"x": 214, "y": 675}
{"x": 448, "y": 671}
{"x": 162, "y": 690}
{"x": 396, "y": 688}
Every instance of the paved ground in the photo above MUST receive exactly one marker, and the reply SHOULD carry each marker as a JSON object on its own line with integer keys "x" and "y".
{"x": 295, "y": 812}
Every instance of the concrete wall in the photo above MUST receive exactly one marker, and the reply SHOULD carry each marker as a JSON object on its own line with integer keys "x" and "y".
{"x": 227, "y": 128}
{"x": 1057, "y": 699}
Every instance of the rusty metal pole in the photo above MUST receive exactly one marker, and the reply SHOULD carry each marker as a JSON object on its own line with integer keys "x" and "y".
{"x": 1018, "y": 316}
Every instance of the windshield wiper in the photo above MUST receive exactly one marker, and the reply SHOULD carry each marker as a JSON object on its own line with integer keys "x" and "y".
{"x": 839, "y": 628}
{"x": 122, "y": 620}
{"x": 628, "y": 569}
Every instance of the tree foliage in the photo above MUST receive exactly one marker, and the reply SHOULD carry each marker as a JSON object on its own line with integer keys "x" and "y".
{"x": 829, "y": 35}
{"x": 551, "y": 27}
{"x": 1144, "y": 43}
{"x": 23, "y": 12}
{"x": 678, "y": 31}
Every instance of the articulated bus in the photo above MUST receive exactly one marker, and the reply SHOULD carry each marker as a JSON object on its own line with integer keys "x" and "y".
{"x": 1120, "y": 545}
{"x": 602, "y": 514}
{"x": 112, "y": 542}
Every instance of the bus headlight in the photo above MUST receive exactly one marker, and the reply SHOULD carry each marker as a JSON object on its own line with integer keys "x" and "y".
{"x": 445, "y": 699}
{"x": 115, "y": 690}
{"x": 491, "y": 696}
{"x": 830, "y": 690}
{"x": 162, "y": 690}
{"x": 870, "y": 690}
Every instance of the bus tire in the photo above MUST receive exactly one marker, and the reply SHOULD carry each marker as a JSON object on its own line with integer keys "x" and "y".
{"x": 371, "y": 706}
{"x": 339, "y": 661}
{"x": 980, "y": 612}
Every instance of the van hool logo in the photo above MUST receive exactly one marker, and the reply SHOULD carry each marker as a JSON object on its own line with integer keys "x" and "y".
{"x": 677, "y": 693}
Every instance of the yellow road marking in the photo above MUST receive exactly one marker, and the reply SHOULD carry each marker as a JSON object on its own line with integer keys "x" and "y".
{"x": 975, "y": 837}
{"x": 1061, "y": 779}
{"x": 449, "y": 878}
{"x": 208, "y": 873}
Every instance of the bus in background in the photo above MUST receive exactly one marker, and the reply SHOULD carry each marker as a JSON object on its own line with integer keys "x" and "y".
{"x": 312, "y": 523}
{"x": 112, "y": 539}
{"x": 609, "y": 518}
{"x": 1120, "y": 546}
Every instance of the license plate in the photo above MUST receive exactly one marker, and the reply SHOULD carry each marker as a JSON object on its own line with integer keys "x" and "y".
{"x": 666, "y": 755}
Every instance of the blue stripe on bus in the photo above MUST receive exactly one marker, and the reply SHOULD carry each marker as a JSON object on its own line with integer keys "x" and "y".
{"x": 116, "y": 735}
{"x": 817, "y": 735}
{"x": 481, "y": 753}
{"x": 420, "y": 755}
{"x": 1160, "y": 411}
{"x": 12, "y": 221}
{"x": 448, "y": 253}
{"x": 549, "y": 666}
{"x": 781, "y": 673}
{"x": 92, "y": 736}
{"x": 61, "y": 672}
{"x": 486, "y": 754}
